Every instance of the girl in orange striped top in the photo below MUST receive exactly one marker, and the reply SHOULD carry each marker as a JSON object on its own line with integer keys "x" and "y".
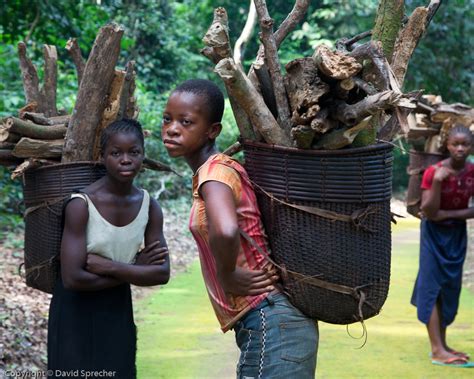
{"x": 276, "y": 340}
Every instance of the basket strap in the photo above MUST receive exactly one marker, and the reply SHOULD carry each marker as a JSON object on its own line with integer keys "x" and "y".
{"x": 355, "y": 292}
{"x": 45, "y": 204}
{"x": 356, "y": 218}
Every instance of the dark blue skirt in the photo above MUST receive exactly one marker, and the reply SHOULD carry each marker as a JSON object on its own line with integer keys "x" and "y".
{"x": 442, "y": 252}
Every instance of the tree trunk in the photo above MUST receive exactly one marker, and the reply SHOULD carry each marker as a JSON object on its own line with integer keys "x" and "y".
{"x": 388, "y": 22}
{"x": 92, "y": 95}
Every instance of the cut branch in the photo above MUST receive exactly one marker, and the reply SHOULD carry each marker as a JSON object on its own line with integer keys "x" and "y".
{"x": 339, "y": 138}
{"x": 240, "y": 87}
{"x": 48, "y": 91}
{"x": 246, "y": 33}
{"x": 34, "y": 148}
{"x": 29, "y": 75}
{"x": 75, "y": 52}
{"x": 158, "y": 166}
{"x": 32, "y": 130}
{"x": 92, "y": 95}
{"x": 273, "y": 63}
{"x": 289, "y": 23}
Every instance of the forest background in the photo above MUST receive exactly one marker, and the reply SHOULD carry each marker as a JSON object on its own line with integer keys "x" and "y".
{"x": 164, "y": 38}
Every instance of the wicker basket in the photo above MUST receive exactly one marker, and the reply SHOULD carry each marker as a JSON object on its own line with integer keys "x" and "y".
{"x": 45, "y": 191}
{"x": 419, "y": 162}
{"x": 336, "y": 265}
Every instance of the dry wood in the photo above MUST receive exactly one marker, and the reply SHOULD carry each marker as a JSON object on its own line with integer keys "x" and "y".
{"x": 416, "y": 132}
{"x": 433, "y": 144}
{"x": 217, "y": 48}
{"x": 388, "y": 21}
{"x": 266, "y": 88}
{"x": 7, "y": 136}
{"x": 458, "y": 113}
{"x": 30, "y": 164}
{"x": 339, "y": 138}
{"x": 233, "y": 149}
{"x": 335, "y": 64}
{"x": 127, "y": 100}
{"x": 48, "y": 91}
{"x": 305, "y": 88}
{"x": 344, "y": 44}
{"x": 92, "y": 95}
{"x": 240, "y": 87}
{"x": 7, "y": 145}
{"x": 32, "y": 130}
{"x": 303, "y": 136}
{"x": 351, "y": 114}
{"x": 273, "y": 63}
{"x": 378, "y": 74}
{"x": 35, "y": 148}
{"x": 29, "y": 75}
{"x": 111, "y": 110}
{"x": 321, "y": 123}
{"x": 30, "y": 107}
{"x": 245, "y": 34}
{"x": 75, "y": 52}
{"x": 368, "y": 88}
{"x": 289, "y": 23}
{"x": 343, "y": 88}
{"x": 157, "y": 166}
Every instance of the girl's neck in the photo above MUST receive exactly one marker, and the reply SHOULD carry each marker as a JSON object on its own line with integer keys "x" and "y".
{"x": 118, "y": 188}
{"x": 201, "y": 156}
{"x": 456, "y": 165}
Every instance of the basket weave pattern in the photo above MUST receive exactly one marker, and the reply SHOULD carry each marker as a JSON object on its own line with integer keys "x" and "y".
{"x": 337, "y": 252}
{"x": 45, "y": 191}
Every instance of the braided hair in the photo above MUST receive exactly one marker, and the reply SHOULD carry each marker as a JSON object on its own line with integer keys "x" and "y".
{"x": 125, "y": 126}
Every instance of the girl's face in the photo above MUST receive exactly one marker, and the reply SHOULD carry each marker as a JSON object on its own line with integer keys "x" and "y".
{"x": 459, "y": 146}
{"x": 185, "y": 127}
{"x": 123, "y": 156}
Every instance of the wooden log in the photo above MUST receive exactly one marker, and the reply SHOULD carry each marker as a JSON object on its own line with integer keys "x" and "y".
{"x": 368, "y": 88}
{"x": 416, "y": 132}
{"x": 303, "y": 136}
{"x": 7, "y": 145}
{"x": 240, "y": 87}
{"x": 266, "y": 88}
{"x": 378, "y": 74}
{"x": 273, "y": 63}
{"x": 409, "y": 37}
{"x": 34, "y": 148}
{"x": 30, "y": 107}
{"x": 388, "y": 22}
{"x": 75, "y": 52}
{"x": 30, "y": 164}
{"x": 218, "y": 48}
{"x": 32, "y": 130}
{"x": 321, "y": 123}
{"x": 29, "y": 75}
{"x": 7, "y": 136}
{"x": 351, "y": 114}
{"x": 335, "y": 64}
{"x": 304, "y": 88}
{"x": 126, "y": 101}
{"x": 92, "y": 95}
{"x": 458, "y": 113}
{"x": 233, "y": 149}
{"x": 111, "y": 110}
{"x": 343, "y": 88}
{"x": 48, "y": 91}
{"x": 340, "y": 138}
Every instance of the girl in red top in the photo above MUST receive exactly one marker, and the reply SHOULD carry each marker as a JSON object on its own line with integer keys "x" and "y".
{"x": 447, "y": 188}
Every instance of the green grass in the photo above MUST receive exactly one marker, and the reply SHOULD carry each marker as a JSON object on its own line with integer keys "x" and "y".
{"x": 178, "y": 334}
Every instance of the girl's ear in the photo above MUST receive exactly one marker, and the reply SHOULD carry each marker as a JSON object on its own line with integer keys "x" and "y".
{"x": 214, "y": 130}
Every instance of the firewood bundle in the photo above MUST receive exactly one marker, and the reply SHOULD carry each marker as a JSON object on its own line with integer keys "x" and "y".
{"x": 40, "y": 134}
{"x": 349, "y": 96}
{"x": 431, "y": 122}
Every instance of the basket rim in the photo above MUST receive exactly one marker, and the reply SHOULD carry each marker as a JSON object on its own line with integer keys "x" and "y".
{"x": 284, "y": 149}
{"x": 66, "y": 165}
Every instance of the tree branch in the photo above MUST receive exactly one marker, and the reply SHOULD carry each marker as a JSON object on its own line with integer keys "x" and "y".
{"x": 246, "y": 33}
{"x": 75, "y": 52}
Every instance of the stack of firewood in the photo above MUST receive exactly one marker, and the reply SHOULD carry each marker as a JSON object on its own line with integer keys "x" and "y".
{"x": 431, "y": 122}
{"x": 39, "y": 134}
{"x": 344, "y": 97}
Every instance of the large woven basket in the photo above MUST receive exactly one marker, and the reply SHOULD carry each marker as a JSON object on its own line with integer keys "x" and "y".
{"x": 327, "y": 215}
{"x": 45, "y": 191}
{"x": 419, "y": 162}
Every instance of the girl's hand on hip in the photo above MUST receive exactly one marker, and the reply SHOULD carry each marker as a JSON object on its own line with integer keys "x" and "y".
{"x": 245, "y": 282}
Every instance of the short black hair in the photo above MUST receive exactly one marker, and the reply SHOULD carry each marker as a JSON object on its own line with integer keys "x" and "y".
{"x": 125, "y": 125}
{"x": 213, "y": 97}
{"x": 461, "y": 129}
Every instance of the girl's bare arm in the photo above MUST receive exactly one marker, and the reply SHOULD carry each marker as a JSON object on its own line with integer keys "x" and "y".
{"x": 74, "y": 252}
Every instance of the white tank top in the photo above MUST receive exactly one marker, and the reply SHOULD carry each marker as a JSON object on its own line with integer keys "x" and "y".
{"x": 118, "y": 243}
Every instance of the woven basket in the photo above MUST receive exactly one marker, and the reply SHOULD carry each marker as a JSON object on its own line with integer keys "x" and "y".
{"x": 45, "y": 191}
{"x": 419, "y": 162}
{"x": 336, "y": 265}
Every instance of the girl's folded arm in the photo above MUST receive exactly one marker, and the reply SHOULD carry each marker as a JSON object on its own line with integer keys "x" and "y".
{"x": 74, "y": 252}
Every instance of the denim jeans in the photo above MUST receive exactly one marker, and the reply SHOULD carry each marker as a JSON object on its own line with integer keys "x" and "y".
{"x": 276, "y": 341}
